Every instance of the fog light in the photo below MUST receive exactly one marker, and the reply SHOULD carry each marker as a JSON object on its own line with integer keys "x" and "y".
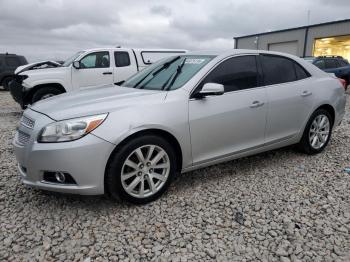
{"x": 60, "y": 177}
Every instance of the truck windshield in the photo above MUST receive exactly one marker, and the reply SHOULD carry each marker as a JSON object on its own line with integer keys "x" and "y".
{"x": 168, "y": 74}
{"x": 70, "y": 60}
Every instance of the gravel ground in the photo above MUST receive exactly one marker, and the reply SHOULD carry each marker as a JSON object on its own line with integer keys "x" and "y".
{"x": 276, "y": 206}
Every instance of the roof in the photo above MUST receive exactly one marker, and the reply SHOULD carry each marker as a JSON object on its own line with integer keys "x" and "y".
{"x": 295, "y": 28}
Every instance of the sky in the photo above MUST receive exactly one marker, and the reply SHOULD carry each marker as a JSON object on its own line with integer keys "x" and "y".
{"x": 55, "y": 29}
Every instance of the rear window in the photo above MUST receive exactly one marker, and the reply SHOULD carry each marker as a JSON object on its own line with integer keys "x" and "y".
{"x": 331, "y": 63}
{"x": 121, "y": 59}
{"x": 343, "y": 63}
{"x": 12, "y": 61}
{"x": 277, "y": 70}
{"x": 320, "y": 64}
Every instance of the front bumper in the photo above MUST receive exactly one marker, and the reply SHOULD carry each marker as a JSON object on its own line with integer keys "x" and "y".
{"x": 84, "y": 159}
{"x": 18, "y": 92}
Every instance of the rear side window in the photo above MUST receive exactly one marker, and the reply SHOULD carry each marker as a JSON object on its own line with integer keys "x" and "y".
{"x": 121, "y": 59}
{"x": 235, "y": 73}
{"x": 320, "y": 64}
{"x": 331, "y": 63}
{"x": 12, "y": 61}
{"x": 277, "y": 70}
{"x": 300, "y": 72}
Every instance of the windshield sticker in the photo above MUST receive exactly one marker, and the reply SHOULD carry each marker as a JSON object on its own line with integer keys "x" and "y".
{"x": 194, "y": 61}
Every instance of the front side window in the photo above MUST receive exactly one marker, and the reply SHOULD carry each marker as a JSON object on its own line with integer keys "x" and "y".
{"x": 121, "y": 59}
{"x": 234, "y": 74}
{"x": 277, "y": 69}
{"x": 168, "y": 74}
{"x": 95, "y": 60}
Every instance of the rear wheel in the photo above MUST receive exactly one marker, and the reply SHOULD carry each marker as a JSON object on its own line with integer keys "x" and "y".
{"x": 45, "y": 92}
{"x": 141, "y": 170}
{"x": 317, "y": 132}
{"x": 6, "y": 82}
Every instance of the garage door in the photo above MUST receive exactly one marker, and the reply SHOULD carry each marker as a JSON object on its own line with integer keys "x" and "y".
{"x": 285, "y": 47}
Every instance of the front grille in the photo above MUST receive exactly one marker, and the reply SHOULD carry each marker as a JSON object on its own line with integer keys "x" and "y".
{"x": 22, "y": 138}
{"x": 27, "y": 122}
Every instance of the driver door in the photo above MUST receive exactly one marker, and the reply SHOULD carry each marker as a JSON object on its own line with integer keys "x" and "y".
{"x": 231, "y": 123}
{"x": 95, "y": 70}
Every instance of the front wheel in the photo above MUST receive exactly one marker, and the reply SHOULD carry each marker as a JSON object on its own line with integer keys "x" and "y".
{"x": 45, "y": 92}
{"x": 141, "y": 170}
{"x": 6, "y": 83}
{"x": 317, "y": 132}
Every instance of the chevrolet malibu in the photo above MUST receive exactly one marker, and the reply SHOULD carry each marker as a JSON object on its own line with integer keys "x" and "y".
{"x": 180, "y": 114}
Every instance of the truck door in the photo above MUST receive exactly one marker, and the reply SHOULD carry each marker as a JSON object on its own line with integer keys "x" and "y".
{"x": 95, "y": 70}
{"x": 124, "y": 66}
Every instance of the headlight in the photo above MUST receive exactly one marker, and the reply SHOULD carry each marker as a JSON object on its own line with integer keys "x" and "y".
{"x": 69, "y": 130}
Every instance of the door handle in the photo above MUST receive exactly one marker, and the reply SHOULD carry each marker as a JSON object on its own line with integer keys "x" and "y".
{"x": 107, "y": 73}
{"x": 256, "y": 104}
{"x": 306, "y": 93}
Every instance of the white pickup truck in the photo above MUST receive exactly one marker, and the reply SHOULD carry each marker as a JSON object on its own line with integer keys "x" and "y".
{"x": 85, "y": 69}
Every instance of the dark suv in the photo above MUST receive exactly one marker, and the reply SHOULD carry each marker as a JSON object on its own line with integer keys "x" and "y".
{"x": 8, "y": 65}
{"x": 332, "y": 64}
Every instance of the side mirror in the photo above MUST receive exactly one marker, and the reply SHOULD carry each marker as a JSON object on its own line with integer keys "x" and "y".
{"x": 210, "y": 89}
{"x": 76, "y": 64}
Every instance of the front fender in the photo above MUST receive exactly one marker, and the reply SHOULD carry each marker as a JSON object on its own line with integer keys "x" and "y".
{"x": 125, "y": 122}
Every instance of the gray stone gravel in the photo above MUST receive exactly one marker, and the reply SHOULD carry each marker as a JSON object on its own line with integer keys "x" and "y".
{"x": 276, "y": 206}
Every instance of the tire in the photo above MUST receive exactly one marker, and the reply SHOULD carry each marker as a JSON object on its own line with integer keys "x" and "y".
{"x": 120, "y": 176}
{"x": 45, "y": 92}
{"x": 316, "y": 133}
{"x": 6, "y": 81}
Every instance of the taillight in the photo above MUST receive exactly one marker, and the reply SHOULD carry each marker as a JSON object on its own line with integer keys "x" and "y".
{"x": 344, "y": 83}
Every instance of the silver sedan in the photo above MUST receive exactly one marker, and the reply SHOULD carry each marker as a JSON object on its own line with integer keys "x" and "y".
{"x": 178, "y": 115}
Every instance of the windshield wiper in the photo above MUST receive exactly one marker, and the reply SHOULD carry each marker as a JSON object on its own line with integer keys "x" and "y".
{"x": 174, "y": 76}
{"x": 154, "y": 73}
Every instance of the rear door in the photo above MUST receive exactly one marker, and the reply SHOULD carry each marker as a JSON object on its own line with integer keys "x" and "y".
{"x": 95, "y": 70}
{"x": 124, "y": 65}
{"x": 233, "y": 122}
{"x": 289, "y": 97}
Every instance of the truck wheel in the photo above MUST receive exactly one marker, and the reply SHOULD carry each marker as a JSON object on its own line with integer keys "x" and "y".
{"x": 45, "y": 92}
{"x": 6, "y": 81}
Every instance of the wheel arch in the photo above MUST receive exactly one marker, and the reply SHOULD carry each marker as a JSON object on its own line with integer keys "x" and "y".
{"x": 329, "y": 109}
{"x": 3, "y": 77}
{"x": 30, "y": 94}
{"x": 153, "y": 131}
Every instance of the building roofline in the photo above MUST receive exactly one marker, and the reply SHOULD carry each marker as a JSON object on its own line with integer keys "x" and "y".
{"x": 294, "y": 28}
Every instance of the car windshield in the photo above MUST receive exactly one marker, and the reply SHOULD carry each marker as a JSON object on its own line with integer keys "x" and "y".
{"x": 70, "y": 60}
{"x": 168, "y": 74}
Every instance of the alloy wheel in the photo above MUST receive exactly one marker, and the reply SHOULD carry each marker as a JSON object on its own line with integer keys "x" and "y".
{"x": 319, "y": 131}
{"x": 145, "y": 171}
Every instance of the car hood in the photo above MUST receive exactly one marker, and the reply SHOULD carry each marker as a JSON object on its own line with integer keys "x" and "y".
{"x": 37, "y": 65}
{"x": 95, "y": 101}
